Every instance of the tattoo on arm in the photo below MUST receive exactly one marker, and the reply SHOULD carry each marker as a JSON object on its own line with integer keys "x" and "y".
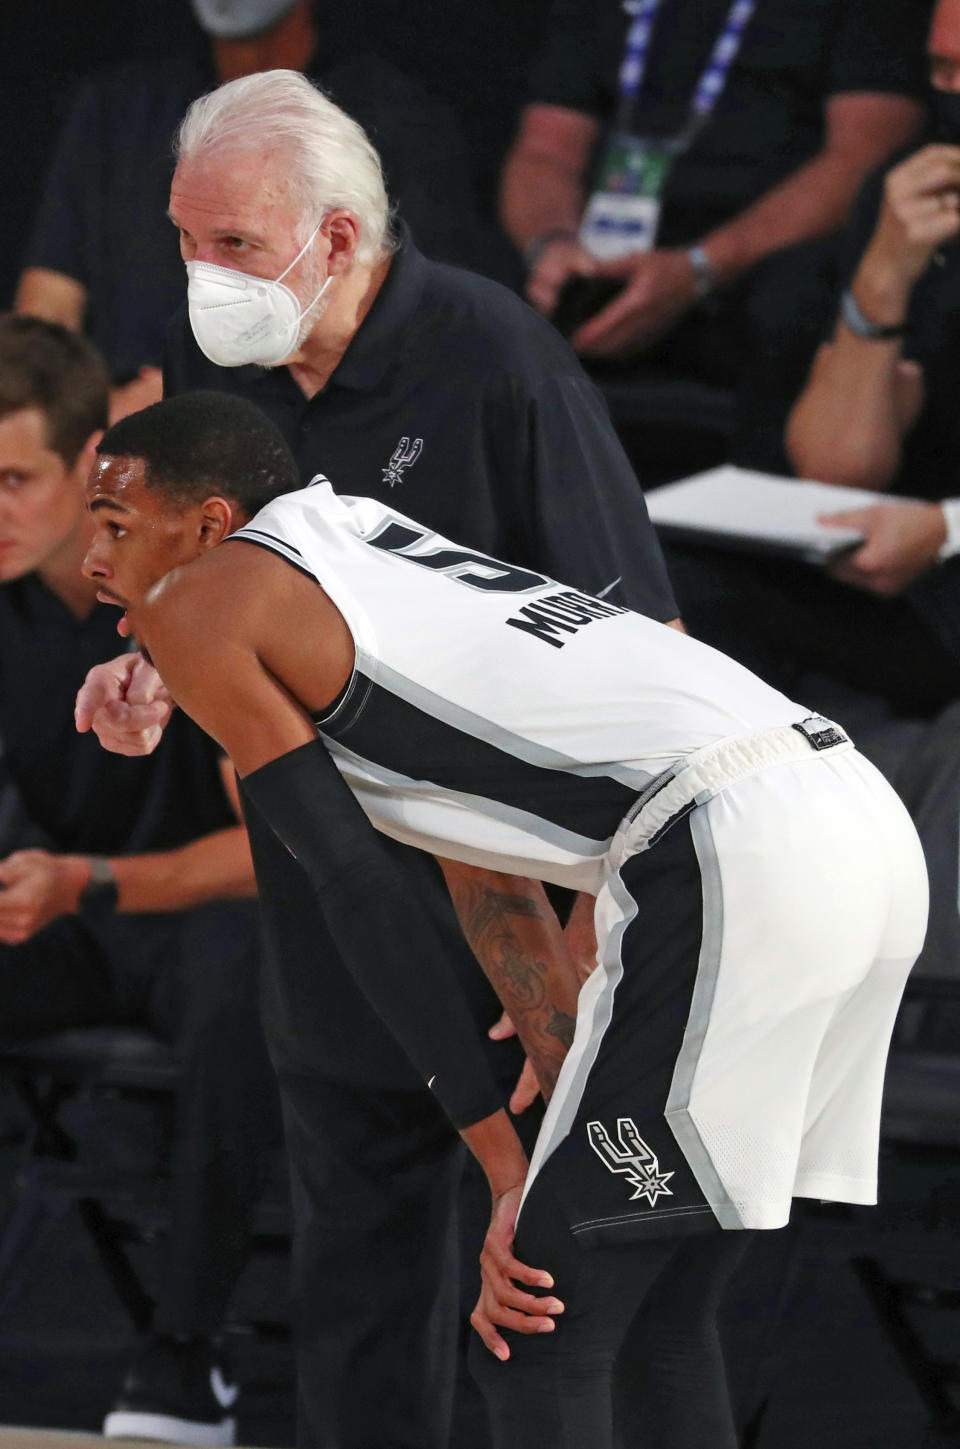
{"x": 562, "y": 1027}
{"x": 518, "y": 942}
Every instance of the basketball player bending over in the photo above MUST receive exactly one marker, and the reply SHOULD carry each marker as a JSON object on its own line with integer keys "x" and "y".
{"x": 760, "y": 890}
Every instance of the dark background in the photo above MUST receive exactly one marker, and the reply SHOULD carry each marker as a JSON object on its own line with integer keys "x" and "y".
{"x": 474, "y": 56}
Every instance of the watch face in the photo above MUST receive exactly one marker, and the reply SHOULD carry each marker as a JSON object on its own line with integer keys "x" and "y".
{"x": 100, "y": 892}
{"x": 703, "y": 274}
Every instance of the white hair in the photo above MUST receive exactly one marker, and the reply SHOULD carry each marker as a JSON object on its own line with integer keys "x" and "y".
{"x": 331, "y": 163}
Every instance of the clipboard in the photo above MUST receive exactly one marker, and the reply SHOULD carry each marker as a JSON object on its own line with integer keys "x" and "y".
{"x": 740, "y": 509}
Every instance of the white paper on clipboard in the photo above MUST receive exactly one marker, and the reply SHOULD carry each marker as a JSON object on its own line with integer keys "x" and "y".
{"x": 737, "y": 508}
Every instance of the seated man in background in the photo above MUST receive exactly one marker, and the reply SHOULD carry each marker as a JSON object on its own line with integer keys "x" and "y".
{"x": 879, "y": 410}
{"x": 132, "y": 911}
{"x": 102, "y": 257}
{"x": 678, "y": 151}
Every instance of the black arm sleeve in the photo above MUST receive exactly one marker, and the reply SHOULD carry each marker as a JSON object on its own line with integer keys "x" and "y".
{"x": 385, "y": 937}
{"x": 61, "y": 235}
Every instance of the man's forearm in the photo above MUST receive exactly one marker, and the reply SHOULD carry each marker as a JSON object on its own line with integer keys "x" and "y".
{"x": 814, "y": 201}
{"x": 215, "y": 867}
{"x": 542, "y": 187}
{"x": 515, "y": 935}
{"x": 496, "y": 1146}
{"x": 539, "y": 195}
{"x": 847, "y": 426}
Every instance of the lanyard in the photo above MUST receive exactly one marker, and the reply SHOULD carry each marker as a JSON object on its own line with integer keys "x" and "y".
{"x": 710, "y": 84}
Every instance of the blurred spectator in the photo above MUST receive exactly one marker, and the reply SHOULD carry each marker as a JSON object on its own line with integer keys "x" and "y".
{"x": 880, "y": 412}
{"x": 102, "y": 256}
{"x": 880, "y": 408}
{"x": 677, "y": 152}
{"x": 878, "y": 642}
{"x": 120, "y": 890}
{"x": 49, "y": 48}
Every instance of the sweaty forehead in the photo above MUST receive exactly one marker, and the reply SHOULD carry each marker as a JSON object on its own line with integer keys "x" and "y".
{"x": 119, "y": 482}
{"x": 232, "y": 190}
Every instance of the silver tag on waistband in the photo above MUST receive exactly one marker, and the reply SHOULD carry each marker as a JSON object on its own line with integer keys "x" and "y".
{"x": 821, "y": 733}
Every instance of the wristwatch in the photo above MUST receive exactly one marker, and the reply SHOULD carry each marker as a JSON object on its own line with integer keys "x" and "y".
{"x": 950, "y": 508}
{"x": 861, "y": 326}
{"x": 100, "y": 892}
{"x": 704, "y": 276}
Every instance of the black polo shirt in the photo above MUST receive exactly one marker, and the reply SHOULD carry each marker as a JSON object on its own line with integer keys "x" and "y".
{"x": 459, "y": 406}
{"x": 795, "y": 55}
{"x": 102, "y": 219}
{"x": 78, "y": 796}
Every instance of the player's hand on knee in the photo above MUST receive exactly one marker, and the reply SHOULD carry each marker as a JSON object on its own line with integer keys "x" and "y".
{"x": 126, "y": 705}
{"x": 503, "y": 1303}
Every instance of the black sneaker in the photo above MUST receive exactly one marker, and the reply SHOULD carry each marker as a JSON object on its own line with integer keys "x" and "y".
{"x": 178, "y": 1390}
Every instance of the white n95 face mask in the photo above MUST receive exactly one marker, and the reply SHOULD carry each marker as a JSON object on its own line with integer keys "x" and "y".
{"x": 239, "y": 319}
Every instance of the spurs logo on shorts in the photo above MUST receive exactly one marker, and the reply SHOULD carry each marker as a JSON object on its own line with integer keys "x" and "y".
{"x": 633, "y": 1158}
{"x": 404, "y": 455}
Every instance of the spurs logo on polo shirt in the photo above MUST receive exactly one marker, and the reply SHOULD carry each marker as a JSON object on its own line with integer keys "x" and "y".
{"x": 633, "y": 1158}
{"x": 404, "y": 455}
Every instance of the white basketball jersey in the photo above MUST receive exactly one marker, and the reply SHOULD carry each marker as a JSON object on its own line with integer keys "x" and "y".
{"x": 496, "y": 716}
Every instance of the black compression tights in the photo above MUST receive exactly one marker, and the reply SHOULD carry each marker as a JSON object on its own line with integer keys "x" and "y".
{"x": 658, "y": 1300}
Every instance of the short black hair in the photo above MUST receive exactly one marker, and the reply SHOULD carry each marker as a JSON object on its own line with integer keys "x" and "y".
{"x": 58, "y": 372}
{"x": 206, "y": 442}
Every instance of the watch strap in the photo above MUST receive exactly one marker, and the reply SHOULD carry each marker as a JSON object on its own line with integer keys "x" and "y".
{"x": 861, "y": 326}
{"x": 100, "y": 893}
{"x": 704, "y": 275}
{"x": 950, "y": 507}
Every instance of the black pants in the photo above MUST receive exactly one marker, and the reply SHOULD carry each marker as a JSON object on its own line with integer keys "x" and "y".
{"x": 193, "y": 978}
{"x": 555, "y": 1391}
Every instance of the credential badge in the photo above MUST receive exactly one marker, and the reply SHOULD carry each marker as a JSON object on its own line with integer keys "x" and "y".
{"x": 632, "y": 1157}
{"x": 404, "y": 455}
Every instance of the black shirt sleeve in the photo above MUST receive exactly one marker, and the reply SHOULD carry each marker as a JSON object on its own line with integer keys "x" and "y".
{"x": 372, "y": 917}
{"x": 580, "y": 60}
{"x": 588, "y": 523}
{"x": 57, "y": 240}
{"x": 880, "y": 46}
